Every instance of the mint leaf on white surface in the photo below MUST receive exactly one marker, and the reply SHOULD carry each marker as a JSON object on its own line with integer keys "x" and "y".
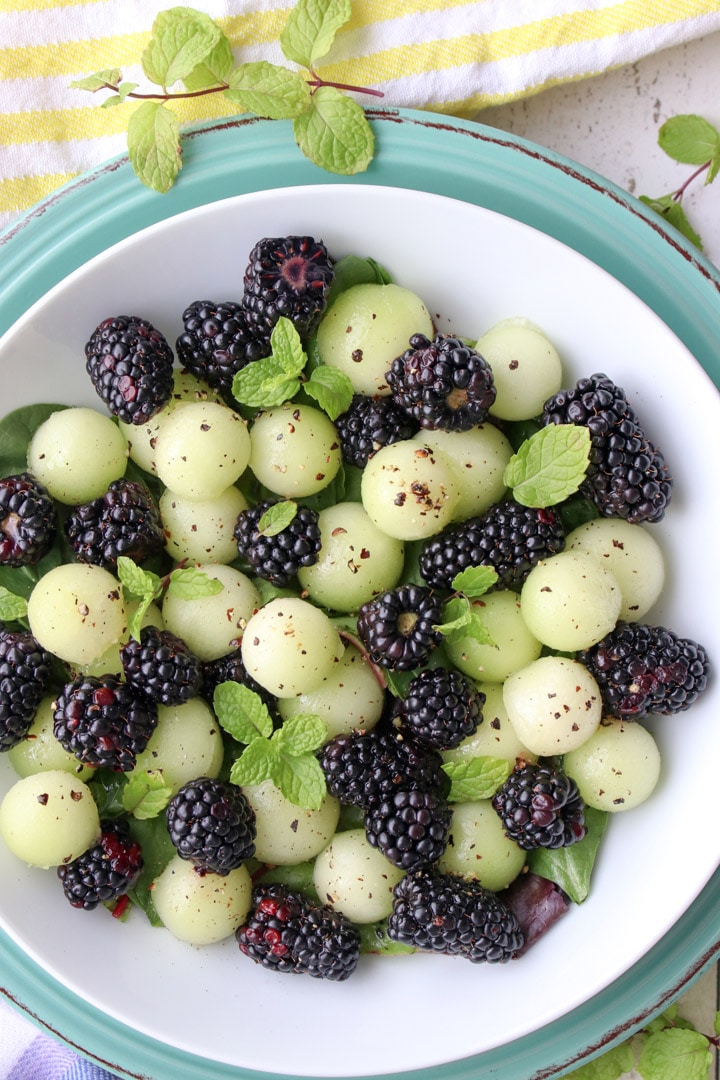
{"x": 268, "y": 90}
{"x": 241, "y": 712}
{"x": 689, "y": 139}
{"x": 550, "y": 465}
{"x": 334, "y": 133}
{"x": 98, "y": 81}
{"x": 675, "y": 1054}
{"x": 154, "y": 145}
{"x": 310, "y": 30}
{"x": 181, "y": 39}
{"x": 476, "y": 777}
{"x": 215, "y": 68}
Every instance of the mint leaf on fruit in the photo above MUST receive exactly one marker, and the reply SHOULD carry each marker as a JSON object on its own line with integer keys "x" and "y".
{"x": 277, "y": 518}
{"x": 610, "y": 1066}
{"x": 331, "y": 389}
{"x": 689, "y": 139}
{"x": 136, "y": 582}
{"x": 268, "y": 90}
{"x": 550, "y": 465}
{"x": 264, "y": 384}
{"x": 301, "y": 734}
{"x": 181, "y": 39}
{"x": 675, "y": 1054}
{"x": 12, "y": 607}
{"x": 189, "y": 583}
{"x": 241, "y": 712}
{"x": 154, "y": 145}
{"x": 571, "y": 867}
{"x": 256, "y": 764}
{"x": 475, "y": 581}
{"x": 301, "y": 780}
{"x": 287, "y": 347}
{"x": 476, "y": 777}
{"x": 462, "y": 618}
{"x": 146, "y": 794}
{"x": 310, "y": 30}
{"x": 334, "y": 133}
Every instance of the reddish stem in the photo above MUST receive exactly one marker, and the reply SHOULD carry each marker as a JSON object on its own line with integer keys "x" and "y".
{"x": 317, "y": 82}
{"x": 353, "y": 640}
{"x": 677, "y": 196}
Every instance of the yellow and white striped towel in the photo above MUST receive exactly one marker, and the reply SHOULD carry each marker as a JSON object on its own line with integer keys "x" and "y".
{"x": 452, "y": 56}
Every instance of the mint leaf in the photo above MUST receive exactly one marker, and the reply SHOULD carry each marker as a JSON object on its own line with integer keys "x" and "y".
{"x": 268, "y": 90}
{"x": 301, "y": 780}
{"x": 476, "y": 777}
{"x": 675, "y": 1054}
{"x": 610, "y": 1066}
{"x": 98, "y": 81}
{"x": 277, "y": 517}
{"x": 672, "y": 210}
{"x": 136, "y": 582}
{"x": 189, "y": 583}
{"x": 475, "y": 581}
{"x": 264, "y": 384}
{"x": 300, "y": 734}
{"x": 257, "y": 763}
{"x": 12, "y": 607}
{"x": 241, "y": 712}
{"x": 571, "y": 867}
{"x": 154, "y": 145}
{"x": 331, "y": 389}
{"x": 550, "y": 465}
{"x": 215, "y": 68}
{"x": 182, "y": 38}
{"x": 374, "y": 939}
{"x": 146, "y": 794}
{"x": 123, "y": 90}
{"x": 456, "y": 616}
{"x": 287, "y": 347}
{"x": 310, "y": 29}
{"x": 334, "y": 133}
{"x": 689, "y": 139}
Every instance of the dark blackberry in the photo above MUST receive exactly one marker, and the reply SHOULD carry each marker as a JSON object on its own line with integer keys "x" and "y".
{"x": 446, "y": 914}
{"x": 410, "y": 828}
{"x": 627, "y": 476}
{"x": 106, "y": 871}
{"x": 362, "y": 767}
{"x": 24, "y": 679}
{"x": 540, "y": 806}
{"x": 212, "y": 825}
{"x": 28, "y": 520}
{"x": 217, "y": 343}
{"x": 509, "y": 537}
{"x": 230, "y": 668}
{"x": 644, "y": 669}
{"x": 131, "y": 367}
{"x": 162, "y": 666}
{"x": 440, "y": 709}
{"x": 287, "y": 276}
{"x": 369, "y": 424}
{"x": 104, "y": 721}
{"x": 123, "y": 521}
{"x": 286, "y": 932}
{"x": 442, "y": 383}
{"x": 397, "y": 627}
{"x": 277, "y": 556}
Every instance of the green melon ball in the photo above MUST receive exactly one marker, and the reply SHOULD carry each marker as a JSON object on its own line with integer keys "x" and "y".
{"x": 287, "y": 834}
{"x": 40, "y": 751}
{"x": 554, "y": 704}
{"x": 49, "y": 818}
{"x": 366, "y": 328}
{"x": 617, "y": 768}
{"x": 201, "y": 449}
{"x": 350, "y": 699}
{"x": 201, "y": 530}
{"x": 212, "y": 626}
{"x": 355, "y": 878}
{"x": 570, "y": 601}
{"x": 77, "y": 454}
{"x": 478, "y": 849}
{"x": 526, "y": 367}
{"x": 187, "y": 743}
{"x": 76, "y": 611}
{"x": 201, "y": 909}
{"x": 110, "y": 661}
{"x": 295, "y": 450}
{"x": 290, "y": 647}
{"x": 513, "y": 645}
{"x": 631, "y": 554}
{"x": 357, "y": 561}
{"x": 410, "y": 490}
{"x": 480, "y": 457}
{"x": 495, "y": 737}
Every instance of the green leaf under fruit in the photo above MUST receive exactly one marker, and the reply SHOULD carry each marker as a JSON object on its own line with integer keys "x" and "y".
{"x": 268, "y": 90}
{"x": 475, "y": 581}
{"x": 16, "y": 431}
{"x": 571, "y": 867}
{"x": 154, "y": 145}
{"x": 476, "y": 777}
{"x": 550, "y": 465}
{"x": 189, "y": 583}
{"x": 241, "y": 712}
{"x": 675, "y": 1054}
{"x": 331, "y": 389}
{"x": 689, "y": 139}
{"x": 12, "y": 606}
{"x": 277, "y": 518}
{"x": 334, "y": 133}
{"x": 311, "y": 27}
{"x": 181, "y": 39}
{"x": 146, "y": 794}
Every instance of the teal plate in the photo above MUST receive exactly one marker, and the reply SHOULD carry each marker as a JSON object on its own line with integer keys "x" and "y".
{"x": 484, "y": 167}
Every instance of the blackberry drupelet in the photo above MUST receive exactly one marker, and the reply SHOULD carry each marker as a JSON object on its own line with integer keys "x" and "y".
{"x": 442, "y": 383}
{"x": 643, "y": 669}
{"x": 441, "y": 708}
{"x": 287, "y": 276}
{"x": 123, "y": 521}
{"x": 410, "y": 828}
{"x": 278, "y": 557}
{"x": 397, "y": 627}
{"x": 362, "y": 768}
{"x": 104, "y": 721}
{"x": 106, "y": 871}
{"x": 445, "y": 914}
{"x": 131, "y": 367}
{"x": 28, "y": 520}
{"x": 286, "y": 932}
{"x": 369, "y": 424}
{"x": 212, "y": 825}
{"x": 509, "y": 537}
{"x": 162, "y": 666}
{"x": 230, "y": 668}
{"x": 24, "y": 678}
{"x": 540, "y": 806}
{"x": 217, "y": 343}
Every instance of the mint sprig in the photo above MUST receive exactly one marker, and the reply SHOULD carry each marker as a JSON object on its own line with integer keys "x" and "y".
{"x": 13, "y": 608}
{"x": 549, "y": 466}
{"x": 475, "y": 777}
{"x": 460, "y": 616}
{"x": 276, "y": 378}
{"x": 143, "y": 587}
{"x": 146, "y": 794}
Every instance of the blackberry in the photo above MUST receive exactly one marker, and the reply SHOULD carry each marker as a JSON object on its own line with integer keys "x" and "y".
{"x": 410, "y": 828}
{"x": 508, "y": 537}
{"x": 217, "y": 343}
{"x": 286, "y": 932}
{"x": 644, "y": 669}
{"x": 28, "y": 520}
{"x": 627, "y": 476}
{"x": 397, "y": 627}
{"x": 540, "y": 806}
{"x": 123, "y": 521}
{"x": 24, "y": 678}
{"x": 442, "y": 383}
{"x": 363, "y": 767}
{"x": 106, "y": 871}
{"x": 162, "y": 666}
{"x": 441, "y": 708}
{"x": 287, "y": 276}
{"x": 446, "y": 914}
{"x": 369, "y": 424}
{"x": 230, "y": 668}
{"x": 277, "y": 556}
{"x": 212, "y": 825}
{"x": 103, "y": 721}
{"x": 131, "y": 367}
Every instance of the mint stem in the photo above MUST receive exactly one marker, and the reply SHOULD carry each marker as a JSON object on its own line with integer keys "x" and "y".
{"x": 171, "y": 97}
{"x": 317, "y": 82}
{"x": 677, "y": 195}
{"x": 377, "y": 671}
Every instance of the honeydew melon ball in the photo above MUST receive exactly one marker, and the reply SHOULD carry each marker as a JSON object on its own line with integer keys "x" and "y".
{"x": 212, "y": 626}
{"x": 570, "y": 601}
{"x": 478, "y": 849}
{"x": 617, "y": 768}
{"x": 40, "y": 751}
{"x": 366, "y": 328}
{"x": 526, "y": 368}
{"x": 287, "y": 834}
{"x": 186, "y": 744}
{"x": 110, "y": 661}
{"x": 201, "y": 449}
{"x": 353, "y": 877}
{"x": 290, "y": 647}
{"x": 295, "y": 450}
{"x": 631, "y": 554}
{"x": 76, "y": 612}
{"x": 357, "y": 561}
{"x": 49, "y": 818}
{"x": 513, "y": 645}
{"x": 480, "y": 457}
{"x": 350, "y": 699}
{"x": 410, "y": 490}
{"x": 554, "y": 705}
{"x": 495, "y": 737}
{"x": 201, "y": 909}
{"x": 201, "y": 530}
{"x": 77, "y": 454}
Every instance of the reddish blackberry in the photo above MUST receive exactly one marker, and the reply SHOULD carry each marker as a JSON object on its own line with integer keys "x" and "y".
{"x": 287, "y": 276}
{"x": 106, "y": 871}
{"x": 540, "y": 807}
{"x": 627, "y": 476}
{"x": 441, "y": 708}
{"x": 286, "y": 932}
{"x": 28, "y": 521}
{"x": 369, "y": 424}
{"x": 397, "y": 626}
{"x": 162, "y": 666}
{"x": 445, "y": 914}
{"x": 644, "y": 669}
{"x": 277, "y": 556}
{"x": 217, "y": 343}
{"x": 131, "y": 367}
{"x": 509, "y": 537}
{"x": 410, "y": 828}
{"x": 24, "y": 679}
{"x": 212, "y": 825}
{"x": 442, "y": 383}
{"x": 104, "y": 721}
{"x": 123, "y": 521}
{"x": 363, "y": 767}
